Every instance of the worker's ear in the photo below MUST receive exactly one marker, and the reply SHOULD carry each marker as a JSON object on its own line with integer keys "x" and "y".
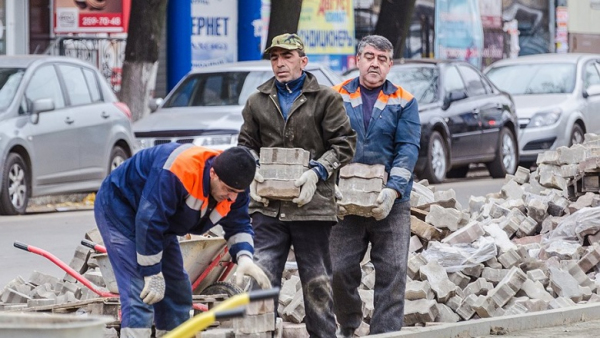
{"x": 212, "y": 173}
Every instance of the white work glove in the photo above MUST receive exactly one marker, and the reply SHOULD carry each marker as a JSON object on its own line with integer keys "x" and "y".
{"x": 154, "y": 289}
{"x": 338, "y": 197}
{"x": 308, "y": 182}
{"x": 246, "y": 267}
{"x": 385, "y": 201}
{"x": 253, "y": 194}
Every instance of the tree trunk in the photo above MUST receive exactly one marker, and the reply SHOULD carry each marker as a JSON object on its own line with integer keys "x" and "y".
{"x": 146, "y": 24}
{"x": 394, "y": 22}
{"x": 284, "y": 18}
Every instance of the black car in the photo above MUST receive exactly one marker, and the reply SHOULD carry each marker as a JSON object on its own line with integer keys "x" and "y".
{"x": 464, "y": 118}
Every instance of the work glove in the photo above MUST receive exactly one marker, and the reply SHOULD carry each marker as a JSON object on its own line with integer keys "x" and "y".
{"x": 253, "y": 188}
{"x": 384, "y": 201}
{"x": 154, "y": 289}
{"x": 246, "y": 267}
{"x": 338, "y": 197}
{"x": 308, "y": 182}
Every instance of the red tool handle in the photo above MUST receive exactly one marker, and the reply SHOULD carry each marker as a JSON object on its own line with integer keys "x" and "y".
{"x": 92, "y": 245}
{"x": 65, "y": 267}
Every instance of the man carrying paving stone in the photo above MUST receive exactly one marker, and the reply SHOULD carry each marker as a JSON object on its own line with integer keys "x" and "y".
{"x": 386, "y": 119}
{"x": 291, "y": 110}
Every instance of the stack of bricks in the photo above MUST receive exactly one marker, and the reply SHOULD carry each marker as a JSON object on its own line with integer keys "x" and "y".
{"x": 360, "y": 185}
{"x": 281, "y": 167}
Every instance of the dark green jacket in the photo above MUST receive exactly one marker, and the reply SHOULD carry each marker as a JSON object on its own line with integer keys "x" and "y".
{"x": 318, "y": 123}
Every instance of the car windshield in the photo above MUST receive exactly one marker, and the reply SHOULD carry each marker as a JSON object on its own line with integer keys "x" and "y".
{"x": 216, "y": 89}
{"x": 548, "y": 78}
{"x": 422, "y": 82}
{"x": 10, "y": 78}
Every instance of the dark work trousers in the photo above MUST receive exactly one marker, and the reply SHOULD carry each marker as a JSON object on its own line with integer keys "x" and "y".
{"x": 137, "y": 317}
{"x": 389, "y": 239}
{"x": 272, "y": 241}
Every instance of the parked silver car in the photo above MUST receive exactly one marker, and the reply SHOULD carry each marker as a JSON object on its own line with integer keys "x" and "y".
{"x": 205, "y": 108}
{"x": 62, "y": 129}
{"x": 557, "y": 97}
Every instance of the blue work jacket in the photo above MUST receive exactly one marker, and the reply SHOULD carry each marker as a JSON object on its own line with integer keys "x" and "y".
{"x": 164, "y": 190}
{"x": 393, "y": 135}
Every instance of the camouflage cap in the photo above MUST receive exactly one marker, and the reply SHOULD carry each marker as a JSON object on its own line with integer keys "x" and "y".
{"x": 286, "y": 41}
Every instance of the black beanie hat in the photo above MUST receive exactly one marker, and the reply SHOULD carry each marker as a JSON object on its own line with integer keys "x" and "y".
{"x": 235, "y": 167}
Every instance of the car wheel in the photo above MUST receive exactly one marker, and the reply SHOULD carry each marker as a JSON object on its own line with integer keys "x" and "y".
{"x": 576, "y": 135}
{"x": 437, "y": 159}
{"x": 15, "y": 186}
{"x": 458, "y": 172}
{"x": 506, "y": 155}
{"x": 117, "y": 157}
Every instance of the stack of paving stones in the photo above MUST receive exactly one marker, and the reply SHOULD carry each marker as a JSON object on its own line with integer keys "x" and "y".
{"x": 533, "y": 246}
{"x": 360, "y": 185}
{"x": 281, "y": 167}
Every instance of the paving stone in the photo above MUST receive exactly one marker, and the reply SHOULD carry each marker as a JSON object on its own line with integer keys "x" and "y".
{"x": 418, "y": 290}
{"x": 480, "y": 287}
{"x": 278, "y": 189}
{"x": 420, "y": 311}
{"x": 251, "y": 324}
{"x": 414, "y": 265}
{"x": 591, "y": 259}
{"x": 538, "y": 275}
{"x": 445, "y": 314}
{"x": 473, "y": 271}
{"x": 459, "y": 279}
{"x": 415, "y": 244}
{"x": 564, "y": 285}
{"x": 39, "y": 278}
{"x": 509, "y": 259}
{"x": 284, "y": 156}
{"x": 293, "y": 330}
{"x": 424, "y": 230}
{"x": 443, "y": 218}
{"x": 521, "y": 176}
{"x": 437, "y": 277}
{"x": 285, "y": 172}
{"x": 467, "y": 234}
{"x": 364, "y": 171}
{"x": 534, "y": 290}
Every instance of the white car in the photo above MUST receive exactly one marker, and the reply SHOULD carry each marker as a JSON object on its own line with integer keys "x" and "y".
{"x": 557, "y": 97}
{"x": 205, "y": 108}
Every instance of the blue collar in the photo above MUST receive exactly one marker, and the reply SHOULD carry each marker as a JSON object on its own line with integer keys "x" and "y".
{"x": 293, "y": 86}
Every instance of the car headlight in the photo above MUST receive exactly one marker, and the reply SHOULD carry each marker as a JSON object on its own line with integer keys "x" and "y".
{"x": 144, "y": 143}
{"x": 545, "y": 118}
{"x": 216, "y": 140}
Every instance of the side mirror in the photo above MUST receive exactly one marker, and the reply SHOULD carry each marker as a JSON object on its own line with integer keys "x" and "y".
{"x": 455, "y": 95}
{"x": 154, "y": 104}
{"x": 42, "y": 105}
{"x": 592, "y": 90}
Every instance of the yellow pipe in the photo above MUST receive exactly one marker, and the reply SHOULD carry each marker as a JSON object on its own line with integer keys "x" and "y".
{"x": 200, "y": 322}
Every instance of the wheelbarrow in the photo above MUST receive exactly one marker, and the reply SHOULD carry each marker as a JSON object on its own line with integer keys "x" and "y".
{"x": 79, "y": 277}
{"x": 206, "y": 260}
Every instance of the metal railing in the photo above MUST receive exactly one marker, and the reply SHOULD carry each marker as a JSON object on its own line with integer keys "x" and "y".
{"x": 105, "y": 53}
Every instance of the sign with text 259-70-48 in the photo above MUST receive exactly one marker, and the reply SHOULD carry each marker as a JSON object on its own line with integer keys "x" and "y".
{"x": 91, "y": 16}
{"x": 214, "y": 32}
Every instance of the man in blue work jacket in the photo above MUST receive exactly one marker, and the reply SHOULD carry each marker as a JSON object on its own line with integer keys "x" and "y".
{"x": 386, "y": 120}
{"x": 161, "y": 193}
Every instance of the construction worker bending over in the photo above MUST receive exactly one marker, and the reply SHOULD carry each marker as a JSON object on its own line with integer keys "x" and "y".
{"x": 161, "y": 193}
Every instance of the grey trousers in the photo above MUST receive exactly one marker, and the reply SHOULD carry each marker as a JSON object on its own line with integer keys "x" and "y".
{"x": 389, "y": 239}
{"x": 272, "y": 241}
